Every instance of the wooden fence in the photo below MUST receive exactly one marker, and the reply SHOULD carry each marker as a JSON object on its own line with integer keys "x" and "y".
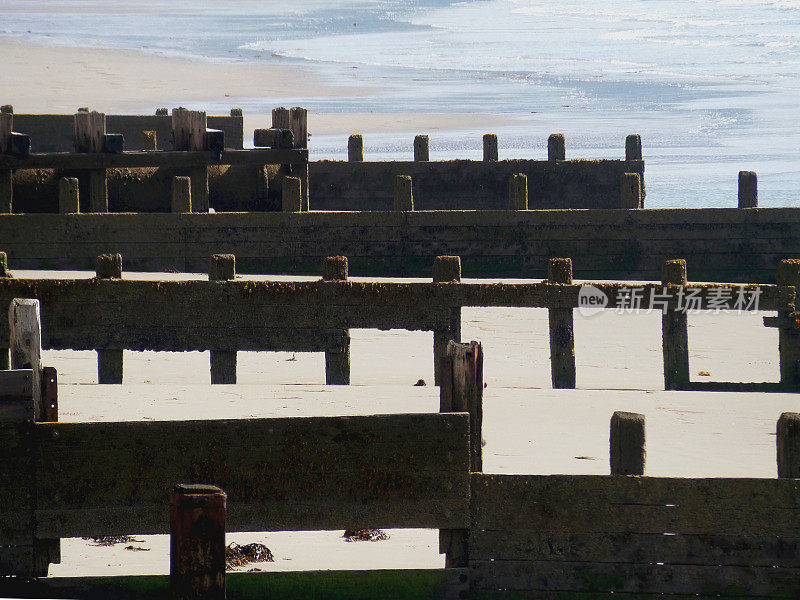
{"x": 506, "y": 536}
{"x": 110, "y": 314}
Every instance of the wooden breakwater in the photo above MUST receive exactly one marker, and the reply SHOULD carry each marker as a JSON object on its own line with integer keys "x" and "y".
{"x": 111, "y": 178}
{"x": 354, "y": 185}
{"x": 55, "y": 132}
{"x": 739, "y": 245}
{"x": 225, "y": 315}
{"x": 556, "y": 536}
{"x": 481, "y": 185}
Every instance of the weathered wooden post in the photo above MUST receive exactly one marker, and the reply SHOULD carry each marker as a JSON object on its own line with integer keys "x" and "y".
{"x": 109, "y": 360}
{"x": 788, "y": 445}
{"x": 633, "y": 147}
{"x": 630, "y": 191}
{"x": 299, "y": 121}
{"x": 788, "y": 274}
{"x": 189, "y": 134}
{"x": 446, "y": 269}
{"x": 403, "y": 194}
{"x": 462, "y": 391}
{"x": 518, "y": 192}
{"x": 149, "y": 140}
{"x": 291, "y": 194}
{"x": 222, "y": 267}
{"x": 27, "y": 396}
{"x": 421, "y": 148}
{"x": 68, "y": 196}
{"x": 627, "y": 444}
{"x": 490, "y": 148}
{"x": 562, "y": 332}
{"x": 295, "y": 120}
{"x": 337, "y": 360}
{"x": 675, "y": 329}
{"x": 162, "y": 112}
{"x": 90, "y": 131}
{"x": 197, "y": 542}
{"x": 181, "y": 195}
{"x": 5, "y": 357}
{"x": 748, "y": 189}
{"x": 355, "y": 148}
{"x": 556, "y": 147}
{"x": 6, "y": 181}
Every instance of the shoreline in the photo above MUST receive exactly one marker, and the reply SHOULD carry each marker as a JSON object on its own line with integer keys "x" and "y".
{"x": 135, "y": 82}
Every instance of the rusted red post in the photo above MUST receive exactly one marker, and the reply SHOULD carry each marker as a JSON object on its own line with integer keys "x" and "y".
{"x": 197, "y": 542}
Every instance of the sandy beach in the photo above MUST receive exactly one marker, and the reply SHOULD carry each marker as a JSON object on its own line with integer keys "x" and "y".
{"x": 528, "y": 427}
{"x": 127, "y": 82}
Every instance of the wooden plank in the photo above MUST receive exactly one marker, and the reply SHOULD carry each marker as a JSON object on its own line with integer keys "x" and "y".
{"x": 16, "y": 388}
{"x": 636, "y": 548}
{"x": 15, "y": 560}
{"x": 297, "y": 473}
{"x": 142, "y": 159}
{"x": 6, "y": 127}
{"x": 610, "y": 504}
{"x": 640, "y": 578}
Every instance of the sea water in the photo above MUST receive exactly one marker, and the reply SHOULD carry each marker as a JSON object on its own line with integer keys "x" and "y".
{"x": 712, "y": 86}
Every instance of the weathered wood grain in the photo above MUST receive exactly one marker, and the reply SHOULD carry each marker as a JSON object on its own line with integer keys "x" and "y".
{"x": 709, "y": 580}
{"x": 614, "y": 504}
{"x": 636, "y": 548}
{"x": 297, "y": 473}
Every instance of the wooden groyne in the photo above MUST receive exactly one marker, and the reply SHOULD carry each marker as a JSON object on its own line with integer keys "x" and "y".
{"x": 225, "y": 315}
{"x": 353, "y": 185}
{"x": 719, "y": 244}
{"x": 556, "y": 535}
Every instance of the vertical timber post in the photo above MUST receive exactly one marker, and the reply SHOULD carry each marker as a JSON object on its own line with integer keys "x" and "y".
{"x": 446, "y": 269}
{"x": 788, "y": 445}
{"x": 5, "y": 356}
{"x": 675, "y": 329}
{"x": 6, "y": 180}
{"x": 68, "y": 196}
{"x": 197, "y": 542}
{"x": 556, "y": 147}
{"x": 462, "y": 391}
{"x": 422, "y": 151}
{"x": 788, "y": 274}
{"x": 630, "y": 191}
{"x": 633, "y": 147}
{"x": 627, "y": 444}
{"x": 490, "y": 148}
{"x": 181, "y": 195}
{"x": 748, "y": 189}
{"x": 299, "y": 125}
{"x": 189, "y": 134}
{"x": 26, "y": 353}
{"x": 222, "y": 267}
{"x": 337, "y": 360}
{"x": 90, "y": 131}
{"x": 562, "y": 331}
{"x": 518, "y": 192}
{"x": 355, "y": 148}
{"x": 292, "y": 194}
{"x": 403, "y": 193}
{"x": 109, "y": 360}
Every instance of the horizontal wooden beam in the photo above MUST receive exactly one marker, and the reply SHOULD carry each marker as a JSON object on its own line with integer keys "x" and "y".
{"x": 397, "y": 584}
{"x": 167, "y": 159}
{"x": 278, "y": 474}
